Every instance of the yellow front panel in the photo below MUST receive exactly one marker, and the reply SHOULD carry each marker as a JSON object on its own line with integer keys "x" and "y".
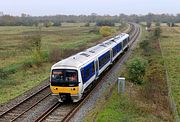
{"x": 58, "y": 89}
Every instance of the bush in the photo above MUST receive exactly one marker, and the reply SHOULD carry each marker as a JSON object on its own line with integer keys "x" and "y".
{"x": 105, "y": 31}
{"x": 37, "y": 57}
{"x": 11, "y": 69}
{"x": 28, "y": 63}
{"x": 136, "y": 70}
{"x": 87, "y": 24}
{"x": 145, "y": 46}
{"x": 171, "y": 24}
{"x": 3, "y": 74}
{"x": 148, "y": 24}
{"x": 94, "y": 30}
{"x": 55, "y": 55}
{"x": 157, "y": 32}
{"x": 56, "y": 23}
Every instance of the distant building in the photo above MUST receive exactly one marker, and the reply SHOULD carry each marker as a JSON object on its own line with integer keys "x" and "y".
{"x": 1, "y": 13}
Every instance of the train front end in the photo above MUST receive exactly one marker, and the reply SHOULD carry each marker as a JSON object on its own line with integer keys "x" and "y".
{"x": 65, "y": 84}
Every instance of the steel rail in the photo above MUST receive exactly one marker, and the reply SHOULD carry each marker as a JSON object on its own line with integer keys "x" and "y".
{"x": 77, "y": 107}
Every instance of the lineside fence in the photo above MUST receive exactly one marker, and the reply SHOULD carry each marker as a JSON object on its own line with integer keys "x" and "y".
{"x": 171, "y": 98}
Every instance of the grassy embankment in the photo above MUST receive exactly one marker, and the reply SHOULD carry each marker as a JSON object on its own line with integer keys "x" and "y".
{"x": 17, "y": 73}
{"x": 146, "y": 102}
{"x": 170, "y": 45}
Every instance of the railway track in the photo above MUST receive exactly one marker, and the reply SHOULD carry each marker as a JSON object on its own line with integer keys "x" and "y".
{"x": 64, "y": 112}
{"x": 56, "y": 111}
{"x": 21, "y": 108}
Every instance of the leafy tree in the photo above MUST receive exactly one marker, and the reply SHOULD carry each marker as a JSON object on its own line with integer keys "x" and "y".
{"x": 57, "y": 24}
{"x": 137, "y": 70}
{"x": 157, "y": 32}
{"x": 148, "y": 24}
{"x": 105, "y": 23}
{"x": 171, "y": 24}
{"x": 105, "y": 31}
{"x": 48, "y": 24}
{"x": 105, "y": 20}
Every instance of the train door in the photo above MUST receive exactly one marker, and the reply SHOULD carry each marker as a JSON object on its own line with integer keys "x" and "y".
{"x": 97, "y": 68}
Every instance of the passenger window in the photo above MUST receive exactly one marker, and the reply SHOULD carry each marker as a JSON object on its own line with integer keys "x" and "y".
{"x": 87, "y": 73}
{"x": 93, "y": 68}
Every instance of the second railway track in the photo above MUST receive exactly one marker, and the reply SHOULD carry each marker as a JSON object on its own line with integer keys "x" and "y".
{"x": 21, "y": 108}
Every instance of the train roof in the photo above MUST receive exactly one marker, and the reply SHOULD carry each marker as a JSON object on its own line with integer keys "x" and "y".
{"x": 87, "y": 55}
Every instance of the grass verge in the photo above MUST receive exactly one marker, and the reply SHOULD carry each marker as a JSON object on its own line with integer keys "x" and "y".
{"x": 170, "y": 46}
{"x": 148, "y": 102}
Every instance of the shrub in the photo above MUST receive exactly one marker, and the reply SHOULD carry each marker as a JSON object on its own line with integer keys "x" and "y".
{"x": 171, "y": 24}
{"x": 157, "y": 32}
{"x": 3, "y": 74}
{"x": 11, "y": 69}
{"x": 95, "y": 30}
{"x": 55, "y": 55}
{"x": 48, "y": 24}
{"x": 37, "y": 57}
{"x": 87, "y": 24}
{"x": 105, "y": 31}
{"x": 136, "y": 70}
{"x": 28, "y": 63}
{"x": 148, "y": 24}
{"x": 57, "y": 23}
{"x": 145, "y": 46}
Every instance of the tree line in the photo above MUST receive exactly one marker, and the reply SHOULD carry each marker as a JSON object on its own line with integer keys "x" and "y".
{"x": 56, "y": 20}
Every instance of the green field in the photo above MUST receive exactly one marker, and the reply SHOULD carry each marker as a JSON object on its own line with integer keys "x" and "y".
{"x": 71, "y": 37}
{"x": 170, "y": 44}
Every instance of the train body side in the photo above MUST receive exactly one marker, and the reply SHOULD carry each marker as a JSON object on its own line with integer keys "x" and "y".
{"x": 89, "y": 65}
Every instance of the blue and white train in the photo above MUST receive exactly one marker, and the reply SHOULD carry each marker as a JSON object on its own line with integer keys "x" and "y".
{"x": 71, "y": 77}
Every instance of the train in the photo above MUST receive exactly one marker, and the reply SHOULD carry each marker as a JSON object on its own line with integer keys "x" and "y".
{"x": 70, "y": 77}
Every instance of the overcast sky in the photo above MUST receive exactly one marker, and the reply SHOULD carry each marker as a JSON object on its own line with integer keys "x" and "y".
{"x": 77, "y": 7}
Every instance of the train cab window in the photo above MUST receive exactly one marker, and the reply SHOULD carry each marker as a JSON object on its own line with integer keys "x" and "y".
{"x": 71, "y": 76}
{"x": 57, "y": 74}
{"x": 64, "y": 77}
